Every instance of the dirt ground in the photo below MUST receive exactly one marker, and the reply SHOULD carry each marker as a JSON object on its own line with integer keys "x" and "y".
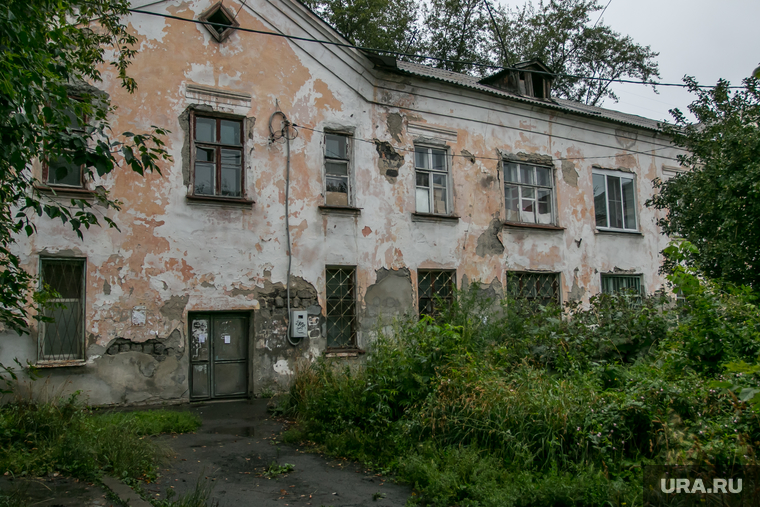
{"x": 235, "y": 445}
{"x": 231, "y": 450}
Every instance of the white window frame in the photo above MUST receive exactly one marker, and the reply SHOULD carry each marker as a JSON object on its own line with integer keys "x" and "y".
{"x": 621, "y": 175}
{"x": 521, "y": 186}
{"x": 348, "y": 161}
{"x": 446, "y": 173}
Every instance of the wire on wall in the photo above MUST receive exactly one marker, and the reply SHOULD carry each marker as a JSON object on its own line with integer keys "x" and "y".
{"x": 287, "y": 132}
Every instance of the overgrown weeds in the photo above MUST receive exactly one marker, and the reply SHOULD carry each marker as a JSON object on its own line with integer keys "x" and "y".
{"x": 64, "y": 436}
{"x": 517, "y": 404}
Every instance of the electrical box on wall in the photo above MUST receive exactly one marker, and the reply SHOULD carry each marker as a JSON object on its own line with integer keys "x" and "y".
{"x": 298, "y": 324}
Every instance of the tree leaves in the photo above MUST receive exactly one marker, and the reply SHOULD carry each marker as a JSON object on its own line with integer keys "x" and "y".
{"x": 586, "y": 57}
{"x": 716, "y": 204}
{"x": 49, "y": 110}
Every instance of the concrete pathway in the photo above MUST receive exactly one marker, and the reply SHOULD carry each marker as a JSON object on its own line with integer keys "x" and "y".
{"x": 236, "y": 444}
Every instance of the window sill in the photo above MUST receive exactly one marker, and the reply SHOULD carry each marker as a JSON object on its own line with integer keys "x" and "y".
{"x": 344, "y": 352}
{"x": 432, "y": 217}
{"x": 522, "y": 225}
{"x": 60, "y": 364}
{"x": 339, "y": 210}
{"x": 82, "y": 193}
{"x": 617, "y": 231}
{"x": 222, "y": 201}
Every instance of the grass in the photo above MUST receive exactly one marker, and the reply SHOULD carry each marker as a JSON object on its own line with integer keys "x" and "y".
{"x": 274, "y": 470}
{"x": 197, "y": 498}
{"x": 64, "y": 436}
{"x": 539, "y": 406}
{"x": 153, "y": 422}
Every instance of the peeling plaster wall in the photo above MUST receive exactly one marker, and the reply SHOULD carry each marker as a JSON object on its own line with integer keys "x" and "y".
{"x": 173, "y": 256}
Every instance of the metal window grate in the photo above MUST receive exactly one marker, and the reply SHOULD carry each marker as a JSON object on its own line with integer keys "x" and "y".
{"x": 341, "y": 307}
{"x": 434, "y": 289}
{"x": 540, "y": 287}
{"x": 63, "y": 338}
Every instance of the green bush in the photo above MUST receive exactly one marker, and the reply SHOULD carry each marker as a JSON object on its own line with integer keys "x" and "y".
{"x": 518, "y": 404}
{"x": 65, "y": 436}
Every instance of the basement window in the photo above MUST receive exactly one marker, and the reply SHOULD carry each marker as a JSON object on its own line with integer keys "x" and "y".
{"x": 341, "y": 306}
{"x": 435, "y": 291}
{"x": 62, "y": 336}
{"x": 628, "y": 286}
{"x": 219, "y": 21}
{"x": 542, "y": 288}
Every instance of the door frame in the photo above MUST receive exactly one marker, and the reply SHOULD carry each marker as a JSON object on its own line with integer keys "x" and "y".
{"x": 248, "y": 327}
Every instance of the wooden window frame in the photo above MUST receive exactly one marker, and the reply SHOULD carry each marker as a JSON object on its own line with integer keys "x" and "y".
{"x": 46, "y": 165}
{"x": 217, "y": 146}
{"x": 431, "y": 172}
{"x": 349, "y": 168}
{"x": 520, "y": 185}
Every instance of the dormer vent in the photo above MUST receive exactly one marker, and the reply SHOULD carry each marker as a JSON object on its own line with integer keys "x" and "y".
{"x": 529, "y": 79}
{"x": 224, "y": 21}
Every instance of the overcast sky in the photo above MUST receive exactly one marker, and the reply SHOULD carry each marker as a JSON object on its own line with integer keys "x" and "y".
{"x": 701, "y": 38}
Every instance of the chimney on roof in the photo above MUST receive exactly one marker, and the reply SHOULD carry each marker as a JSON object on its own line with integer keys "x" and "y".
{"x": 529, "y": 79}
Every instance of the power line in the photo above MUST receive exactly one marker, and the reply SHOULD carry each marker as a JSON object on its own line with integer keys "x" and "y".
{"x": 498, "y": 159}
{"x": 413, "y": 55}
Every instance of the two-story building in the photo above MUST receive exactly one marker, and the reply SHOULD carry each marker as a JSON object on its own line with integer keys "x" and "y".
{"x": 316, "y": 192}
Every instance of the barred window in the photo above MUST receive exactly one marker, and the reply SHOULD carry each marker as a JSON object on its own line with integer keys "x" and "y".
{"x": 540, "y": 287}
{"x": 435, "y": 288}
{"x": 626, "y": 284}
{"x": 62, "y": 339}
{"x": 341, "y": 307}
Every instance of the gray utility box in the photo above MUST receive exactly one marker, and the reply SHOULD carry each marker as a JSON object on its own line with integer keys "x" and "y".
{"x": 298, "y": 324}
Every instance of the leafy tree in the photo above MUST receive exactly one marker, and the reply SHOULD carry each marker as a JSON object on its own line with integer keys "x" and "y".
{"x": 49, "y": 51}
{"x": 457, "y": 30}
{"x": 716, "y": 204}
{"x": 560, "y": 34}
{"x": 379, "y": 24}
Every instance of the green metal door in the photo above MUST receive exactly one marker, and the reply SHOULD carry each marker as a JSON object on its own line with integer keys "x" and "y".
{"x": 218, "y": 355}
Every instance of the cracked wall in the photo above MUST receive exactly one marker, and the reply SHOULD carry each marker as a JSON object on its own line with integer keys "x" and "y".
{"x": 173, "y": 256}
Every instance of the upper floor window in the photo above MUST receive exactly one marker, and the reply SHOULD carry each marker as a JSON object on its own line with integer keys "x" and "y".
{"x": 61, "y": 170}
{"x": 218, "y": 152}
{"x": 337, "y": 170}
{"x": 614, "y": 200}
{"x": 432, "y": 180}
{"x": 62, "y": 339}
{"x": 529, "y": 193}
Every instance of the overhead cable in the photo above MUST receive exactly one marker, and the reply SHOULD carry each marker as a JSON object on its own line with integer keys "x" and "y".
{"x": 413, "y": 55}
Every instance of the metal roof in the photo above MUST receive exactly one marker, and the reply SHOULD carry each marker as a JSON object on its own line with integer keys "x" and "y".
{"x": 568, "y": 106}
